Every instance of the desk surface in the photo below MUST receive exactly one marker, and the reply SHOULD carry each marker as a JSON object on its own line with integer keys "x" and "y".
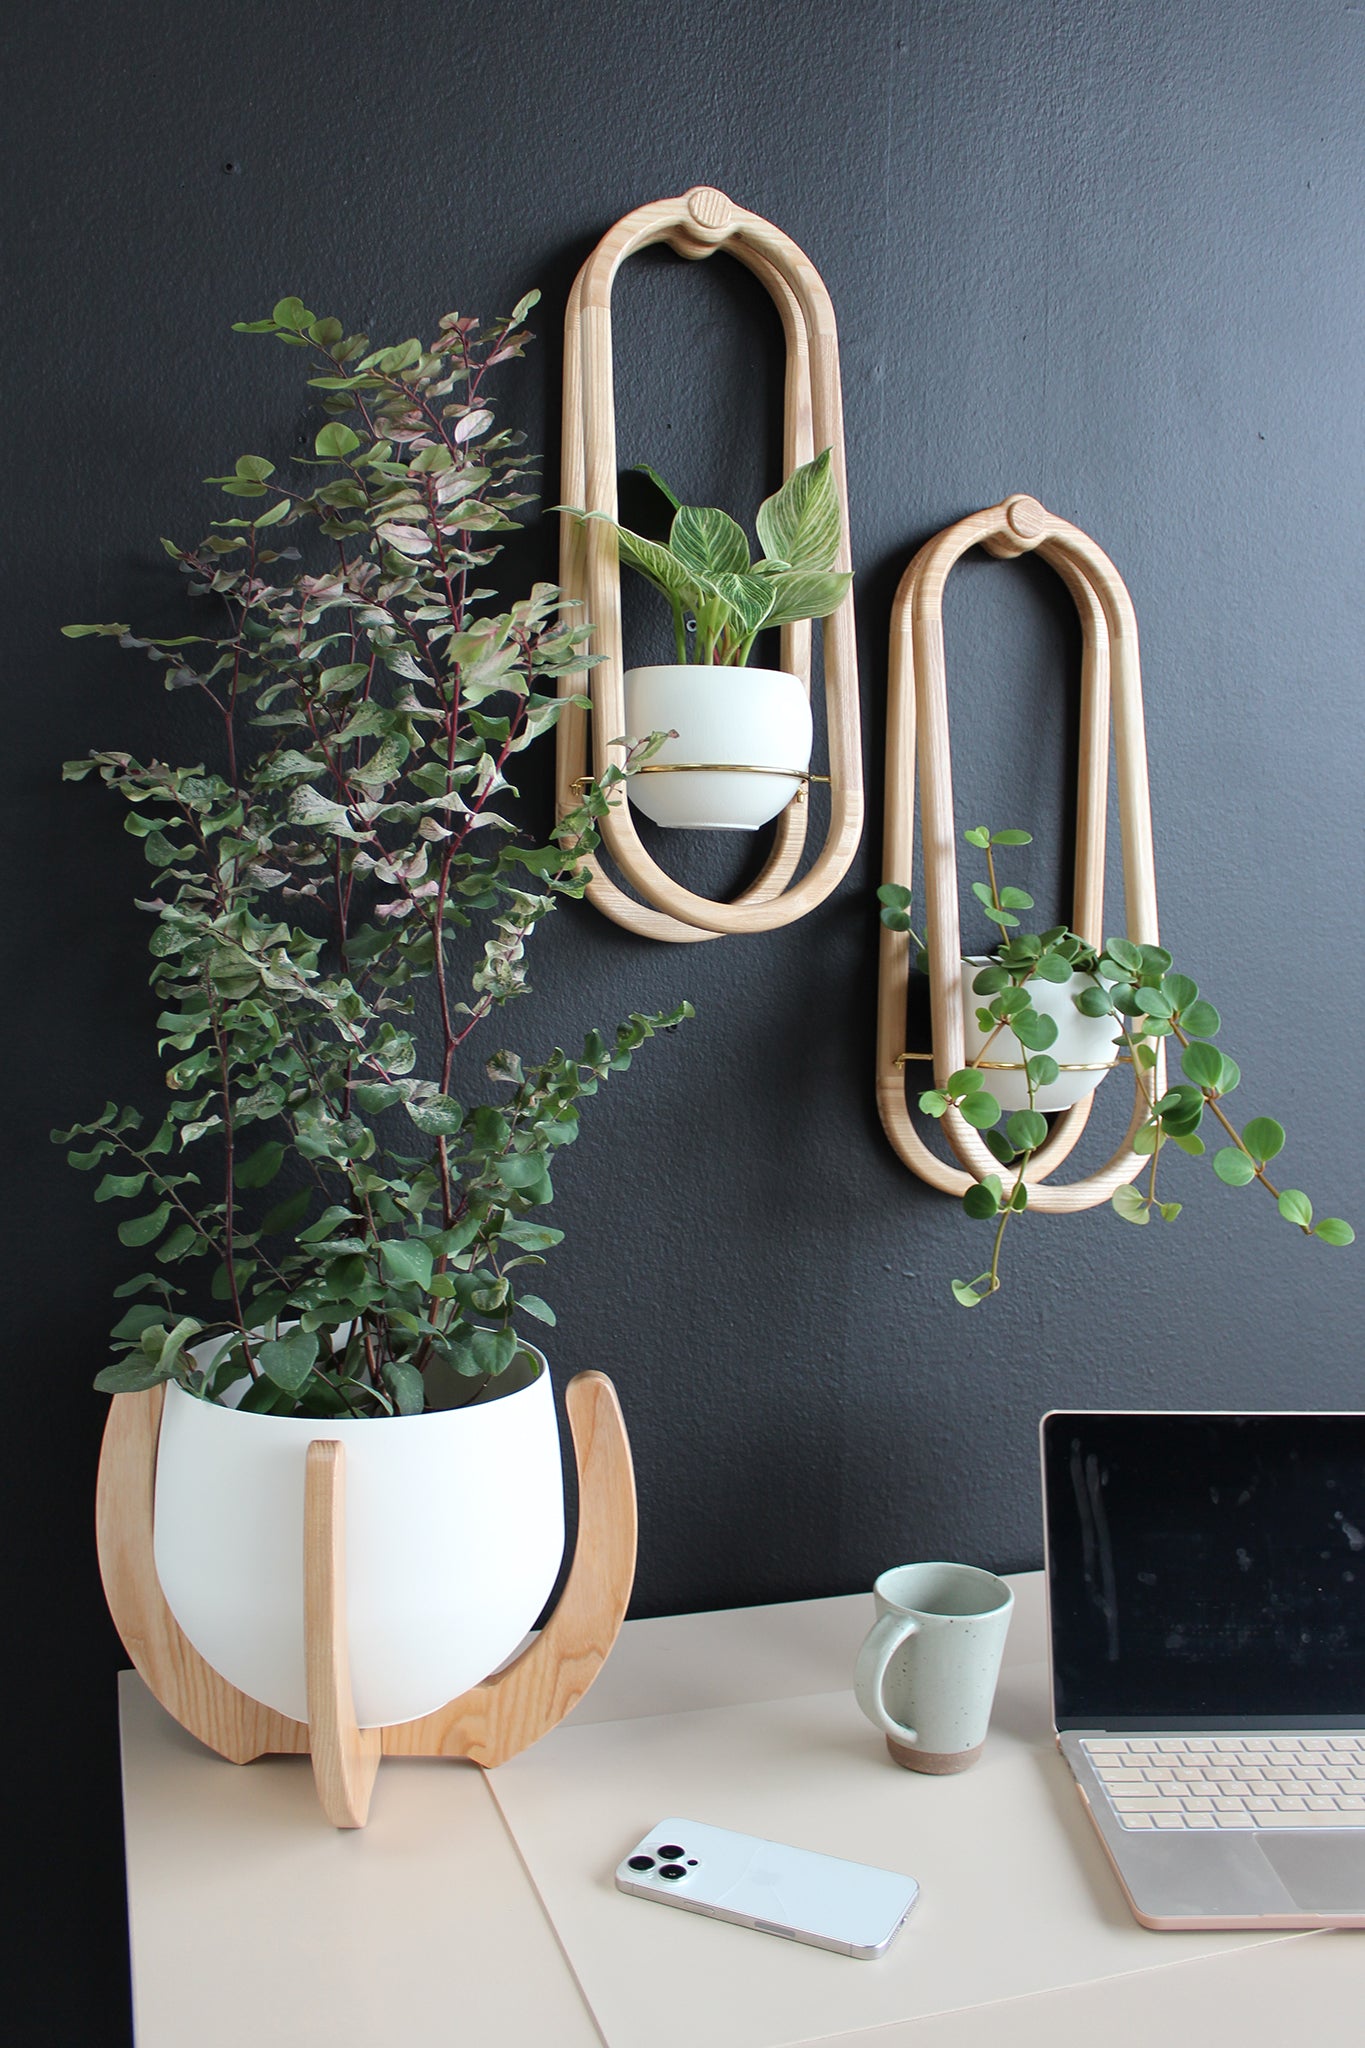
{"x": 251, "y": 1919}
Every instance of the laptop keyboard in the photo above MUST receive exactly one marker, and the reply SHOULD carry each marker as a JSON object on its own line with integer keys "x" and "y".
{"x": 1201, "y": 1782}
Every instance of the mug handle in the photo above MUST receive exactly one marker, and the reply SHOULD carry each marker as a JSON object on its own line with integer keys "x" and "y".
{"x": 869, "y": 1676}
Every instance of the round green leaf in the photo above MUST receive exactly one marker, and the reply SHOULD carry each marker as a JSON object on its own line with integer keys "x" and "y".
{"x": 1011, "y": 837}
{"x": 1181, "y": 990}
{"x": 933, "y": 1102}
{"x": 1332, "y": 1230}
{"x": 1201, "y": 1020}
{"x": 1034, "y": 1031}
{"x": 990, "y": 981}
{"x": 1153, "y": 1003}
{"x": 1203, "y": 1064}
{"x": 1042, "y": 1070}
{"x": 1263, "y": 1138}
{"x": 407, "y": 1261}
{"x": 1129, "y": 1204}
{"x": 998, "y": 1144}
{"x": 1093, "y": 1002}
{"x": 1053, "y": 967}
{"x": 981, "y": 1202}
{"x": 966, "y": 1293}
{"x": 894, "y": 895}
{"x": 336, "y": 439}
{"x": 980, "y": 1109}
{"x": 1295, "y": 1207}
{"x": 964, "y": 1082}
{"x": 1128, "y": 956}
{"x": 1233, "y": 1168}
{"x": 289, "y": 1360}
{"x": 260, "y": 1168}
{"x": 1026, "y": 1129}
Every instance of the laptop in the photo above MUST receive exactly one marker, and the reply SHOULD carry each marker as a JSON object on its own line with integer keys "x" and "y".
{"x": 1206, "y": 1606}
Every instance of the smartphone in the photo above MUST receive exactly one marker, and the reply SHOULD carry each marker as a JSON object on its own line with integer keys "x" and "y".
{"x": 852, "y": 1908}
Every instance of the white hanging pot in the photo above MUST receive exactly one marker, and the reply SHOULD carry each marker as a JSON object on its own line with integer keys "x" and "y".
{"x": 726, "y": 719}
{"x": 454, "y": 1536}
{"x": 1085, "y": 1048}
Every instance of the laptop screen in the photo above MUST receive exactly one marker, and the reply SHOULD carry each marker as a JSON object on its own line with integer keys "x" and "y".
{"x": 1206, "y": 1568}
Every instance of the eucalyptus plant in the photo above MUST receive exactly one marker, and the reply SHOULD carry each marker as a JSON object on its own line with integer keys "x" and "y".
{"x": 705, "y": 572}
{"x": 1139, "y": 987}
{"x": 348, "y": 846}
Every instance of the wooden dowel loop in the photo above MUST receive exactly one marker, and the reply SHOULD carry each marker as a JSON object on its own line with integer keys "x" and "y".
{"x": 919, "y": 757}
{"x": 696, "y": 224}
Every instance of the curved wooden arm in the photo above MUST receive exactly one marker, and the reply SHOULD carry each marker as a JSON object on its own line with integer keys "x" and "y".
{"x": 695, "y": 225}
{"x": 508, "y": 1712}
{"x": 918, "y": 754}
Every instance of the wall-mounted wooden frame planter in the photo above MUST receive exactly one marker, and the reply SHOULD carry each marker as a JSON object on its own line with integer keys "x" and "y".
{"x": 488, "y": 1724}
{"x": 696, "y": 225}
{"x": 918, "y": 758}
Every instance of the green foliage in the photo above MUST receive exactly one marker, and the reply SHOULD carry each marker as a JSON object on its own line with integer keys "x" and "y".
{"x": 344, "y": 859}
{"x": 704, "y": 570}
{"x": 1149, "y": 1001}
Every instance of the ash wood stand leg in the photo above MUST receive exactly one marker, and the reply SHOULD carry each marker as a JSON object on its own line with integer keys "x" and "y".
{"x": 345, "y": 1757}
{"x": 695, "y": 225}
{"x": 488, "y": 1724}
{"x": 918, "y": 757}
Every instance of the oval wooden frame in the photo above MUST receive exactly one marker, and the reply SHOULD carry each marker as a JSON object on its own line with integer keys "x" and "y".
{"x": 696, "y": 225}
{"x": 488, "y": 1724}
{"x": 917, "y": 725}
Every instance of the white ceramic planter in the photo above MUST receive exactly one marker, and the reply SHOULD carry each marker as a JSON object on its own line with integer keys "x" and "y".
{"x": 454, "y": 1535}
{"x": 745, "y": 717}
{"x": 1089, "y": 1044}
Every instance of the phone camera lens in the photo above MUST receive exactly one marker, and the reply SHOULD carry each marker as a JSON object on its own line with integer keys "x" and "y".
{"x": 641, "y": 1863}
{"x": 670, "y": 1851}
{"x": 672, "y": 1871}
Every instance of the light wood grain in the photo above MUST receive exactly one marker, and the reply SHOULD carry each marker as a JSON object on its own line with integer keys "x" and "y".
{"x": 345, "y": 1756}
{"x": 522, "y": 1702}
{"x": 488, "y": 1724}
{"x": 226, "y": 1720}
{"x": 695, "y": 225}
{"x": 918, "y": 759}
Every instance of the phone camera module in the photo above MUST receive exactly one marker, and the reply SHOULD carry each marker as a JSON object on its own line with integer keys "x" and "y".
{"x": 672, "y": 1871}
{"x": 640, "y": 1863}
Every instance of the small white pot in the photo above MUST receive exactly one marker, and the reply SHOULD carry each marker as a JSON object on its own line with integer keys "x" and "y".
{"x": 454, "y": 1535}
{"x": 744, "y": 717}
{"x": 1085, "y": 1047}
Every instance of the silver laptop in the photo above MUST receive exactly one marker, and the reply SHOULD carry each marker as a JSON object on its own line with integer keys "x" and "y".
{"x": 1206, "y": 1605}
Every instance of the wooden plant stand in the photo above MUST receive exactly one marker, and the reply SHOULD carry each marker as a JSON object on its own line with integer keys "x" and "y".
{"x": 918, "y": 709}
{"x": 488, "y": 1724}
{"x": 696, "y": 225}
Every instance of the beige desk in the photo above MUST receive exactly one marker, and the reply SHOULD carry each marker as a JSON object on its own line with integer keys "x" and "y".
{"x": 252, "y": 1921}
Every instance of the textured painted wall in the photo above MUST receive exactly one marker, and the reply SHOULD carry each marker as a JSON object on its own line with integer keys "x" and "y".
{"x": 1108, "y": 254}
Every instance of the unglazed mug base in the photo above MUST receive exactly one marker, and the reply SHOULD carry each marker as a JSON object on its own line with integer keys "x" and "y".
{"x": 942, "y": 1765}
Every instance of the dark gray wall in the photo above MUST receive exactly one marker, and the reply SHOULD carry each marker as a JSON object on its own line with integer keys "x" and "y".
{"x": 1106, "y": 253}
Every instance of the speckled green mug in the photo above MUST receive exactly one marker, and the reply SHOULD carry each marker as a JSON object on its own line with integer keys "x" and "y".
{"x": 926, "y": 1674}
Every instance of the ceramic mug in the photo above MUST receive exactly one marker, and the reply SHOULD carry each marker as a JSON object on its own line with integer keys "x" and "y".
{"x": 926, "y": 1674}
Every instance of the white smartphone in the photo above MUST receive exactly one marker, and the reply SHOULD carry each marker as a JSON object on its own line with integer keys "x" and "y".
{"x": 852, "y": 1908}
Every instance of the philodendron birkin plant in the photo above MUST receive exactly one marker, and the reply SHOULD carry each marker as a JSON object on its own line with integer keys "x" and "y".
{"x": 1143, "y": 998}
{"x": 721, "y": 600}
{"x": 335, "y": 857}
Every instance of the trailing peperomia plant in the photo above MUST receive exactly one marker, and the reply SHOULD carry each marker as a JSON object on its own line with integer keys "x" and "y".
{"x": 712, "y": 586}
{"x": 366, "y": 700}
{"x": 1139, "y": 987}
